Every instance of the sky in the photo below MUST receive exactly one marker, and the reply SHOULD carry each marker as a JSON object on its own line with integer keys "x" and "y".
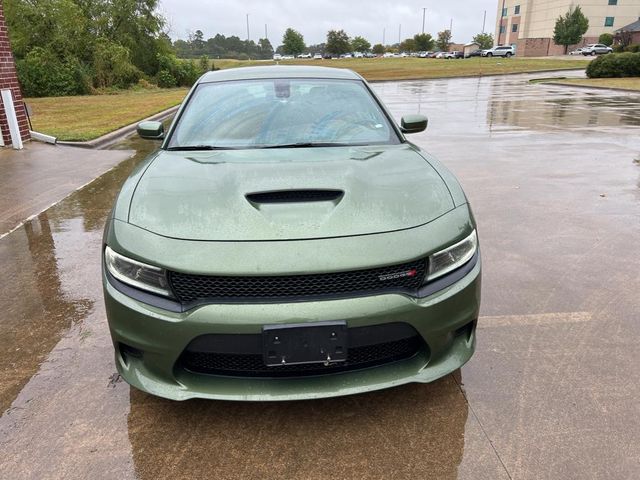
{"x": 368, "y": 18}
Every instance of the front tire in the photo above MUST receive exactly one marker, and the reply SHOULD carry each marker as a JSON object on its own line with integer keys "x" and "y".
{"x": 508, "y": 55}
{"x": 594, "y": 53}
{"x": 489, "y": 54}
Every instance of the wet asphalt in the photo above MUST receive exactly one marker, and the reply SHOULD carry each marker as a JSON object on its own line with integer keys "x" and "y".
{"x": 552, "y": 392}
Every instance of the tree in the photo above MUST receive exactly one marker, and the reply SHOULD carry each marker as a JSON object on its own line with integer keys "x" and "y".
{"x": 485, "y": 40}
{"x": 265, "y": 47}
{"x": 360, "y": 44}
{"x": 378, "y": 49}
{"x": 444, "y": 40}
{"x": 424, "y": 42}
{"x": 408, "y": 45}
{"x": 292, "y": 42}
{"x": 338, "y": 42}
{"x": 570, "y": 28}
{"x": 606, "y": 39}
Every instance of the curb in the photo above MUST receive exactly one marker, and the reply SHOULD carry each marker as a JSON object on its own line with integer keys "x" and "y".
{"x": 117, "y": 135}
{"x": 592, "y": 87}
{"x": 477, "y": 75}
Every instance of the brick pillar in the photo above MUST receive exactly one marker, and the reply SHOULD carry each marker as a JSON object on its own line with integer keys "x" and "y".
{"x": 9, "y": 79}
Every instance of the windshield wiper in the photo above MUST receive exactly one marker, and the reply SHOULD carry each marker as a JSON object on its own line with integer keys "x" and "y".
{"x": 198, "y": 147}
{"x": 306, "y": 145}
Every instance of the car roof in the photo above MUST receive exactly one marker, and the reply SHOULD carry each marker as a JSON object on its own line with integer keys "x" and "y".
{"x": 278, "y": 71}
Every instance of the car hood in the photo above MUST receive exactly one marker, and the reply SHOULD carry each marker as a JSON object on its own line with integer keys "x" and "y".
{"x": 208, "y": 195}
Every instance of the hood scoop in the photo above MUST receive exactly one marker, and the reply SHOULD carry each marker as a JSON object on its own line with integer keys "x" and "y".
{"x": 295, "y": 196}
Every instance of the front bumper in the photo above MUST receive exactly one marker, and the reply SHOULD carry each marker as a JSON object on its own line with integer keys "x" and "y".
{"x": 162, "y": 336}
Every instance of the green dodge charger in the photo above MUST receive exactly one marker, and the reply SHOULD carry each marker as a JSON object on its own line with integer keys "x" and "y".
{"x": 287, "y": 242}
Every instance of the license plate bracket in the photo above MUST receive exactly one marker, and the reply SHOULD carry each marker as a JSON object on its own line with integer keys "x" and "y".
{"x": 296, "y": 344}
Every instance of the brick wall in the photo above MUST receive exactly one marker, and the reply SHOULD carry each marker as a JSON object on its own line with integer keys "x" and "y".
{"x": 9, "y": 79}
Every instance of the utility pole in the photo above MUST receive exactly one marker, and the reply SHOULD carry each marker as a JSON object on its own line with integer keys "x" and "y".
{"x": 248, "y": 37}
{"x": 424, "y": 13}
{"x": 451, "y": 27}
{"x": 399, "y": 34}
{"x": 484, "y": 21}
{"x": 265, "y": 32}
{"x": 384, "y": 36}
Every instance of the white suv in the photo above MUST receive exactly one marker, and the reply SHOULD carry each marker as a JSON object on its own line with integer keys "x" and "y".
{"x": 506, "y": 51}
{"x": 595, "y": 49}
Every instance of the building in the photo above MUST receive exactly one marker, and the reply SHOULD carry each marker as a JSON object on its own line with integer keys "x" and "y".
{"x": 9, "y": 83}
{"x": 631, "y": 31}
{"x": 529, "y": 24}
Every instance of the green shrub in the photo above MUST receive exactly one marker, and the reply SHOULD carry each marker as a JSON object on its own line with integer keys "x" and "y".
{"x": 43, "y": 74}
{"x": 618, "y": 49}
{"x": 165, "y": 79}
{"x": 112, "y": 66}
{"x": 615, "y": 66}
{"x": 184, "y": 72}
{"x": 635, "y": 48}
{"x": 606, "y": 38}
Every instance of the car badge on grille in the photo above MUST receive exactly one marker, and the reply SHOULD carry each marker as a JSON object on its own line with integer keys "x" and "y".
{"x": 395, "y": 275}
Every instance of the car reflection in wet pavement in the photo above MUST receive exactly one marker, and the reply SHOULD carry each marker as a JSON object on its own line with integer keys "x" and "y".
{"x": 551, "y": 393}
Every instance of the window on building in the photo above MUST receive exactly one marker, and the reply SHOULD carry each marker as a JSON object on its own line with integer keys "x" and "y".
{"x": 514, "y": 27}
{"x": 608, "y": 22}
{"x": 504, "y": 11}
{"x": 613, "y": 2}
{"x": 503, "y": 28}
{"x": 517, "y": 10}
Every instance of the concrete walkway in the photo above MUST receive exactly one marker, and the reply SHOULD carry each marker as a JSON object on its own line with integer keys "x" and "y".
{"x": 40, "y": 175}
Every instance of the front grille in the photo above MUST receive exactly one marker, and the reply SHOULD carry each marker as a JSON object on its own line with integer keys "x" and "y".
{"x": 252, "y": 365}
{"x": 407, "y": 277}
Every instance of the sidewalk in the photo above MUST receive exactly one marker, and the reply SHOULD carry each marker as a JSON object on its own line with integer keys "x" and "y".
{"x": 40, "y": 175}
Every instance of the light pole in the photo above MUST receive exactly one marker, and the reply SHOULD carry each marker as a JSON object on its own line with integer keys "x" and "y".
{"x": 484, "y": 21}
{"x": 424, "y": 13}
{"x": 399, "y": 35}
{"x": 248, "y": 37}
{"x": 384, "y": 35}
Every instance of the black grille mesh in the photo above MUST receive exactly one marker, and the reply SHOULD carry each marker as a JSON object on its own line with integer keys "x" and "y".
{"x": 252, "y": 365}
{"x": 192, "y": 288}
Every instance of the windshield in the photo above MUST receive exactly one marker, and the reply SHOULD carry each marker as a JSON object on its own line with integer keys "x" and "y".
{"x": 268, "y": 113}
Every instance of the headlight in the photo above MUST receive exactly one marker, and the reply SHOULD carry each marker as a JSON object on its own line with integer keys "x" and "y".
{"x": 137, "y": 274}
{"x": 450, "y": 258}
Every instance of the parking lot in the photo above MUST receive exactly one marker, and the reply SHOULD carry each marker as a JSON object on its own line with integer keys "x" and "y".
{"x": 552, "y": 392}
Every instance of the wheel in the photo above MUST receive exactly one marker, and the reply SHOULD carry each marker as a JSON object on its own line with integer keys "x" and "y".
{"x": 594, "y": 53}
{"x": 508, "y": 54}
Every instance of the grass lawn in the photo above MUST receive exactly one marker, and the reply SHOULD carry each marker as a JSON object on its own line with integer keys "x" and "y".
{"x": 88, "y": 117}
{"x": 376, "y": 69}
{"x": 631, "y": 83}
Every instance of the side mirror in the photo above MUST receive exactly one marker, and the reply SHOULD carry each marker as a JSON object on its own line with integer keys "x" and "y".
{"x": 151, "y": 130}
{"x": 413, "y": 123}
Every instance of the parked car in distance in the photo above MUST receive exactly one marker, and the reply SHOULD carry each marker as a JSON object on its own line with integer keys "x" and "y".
{"x": 475, "y": 53}
{"x": 577, "y": 51}
{"x": 502, "y": 51}
{"x": 358, "y": 55}
{"x": 304, "y": 55}
{"x": 596, "y": 49}
{"x": 423, "y": 54}
{"x": 346, "y": 55}
{"x": 370, "y": 55}
{"x": 288, "y": 57}
{"x": 433, "y": 54}
{"x": 317, "y": 56}
{"x": 454, "y": 54}
{"x": 440, "y": 55}
{"x": 240, "y": 262}
{"x": 389, "y": 55}
{"x": 277, "y": 56}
